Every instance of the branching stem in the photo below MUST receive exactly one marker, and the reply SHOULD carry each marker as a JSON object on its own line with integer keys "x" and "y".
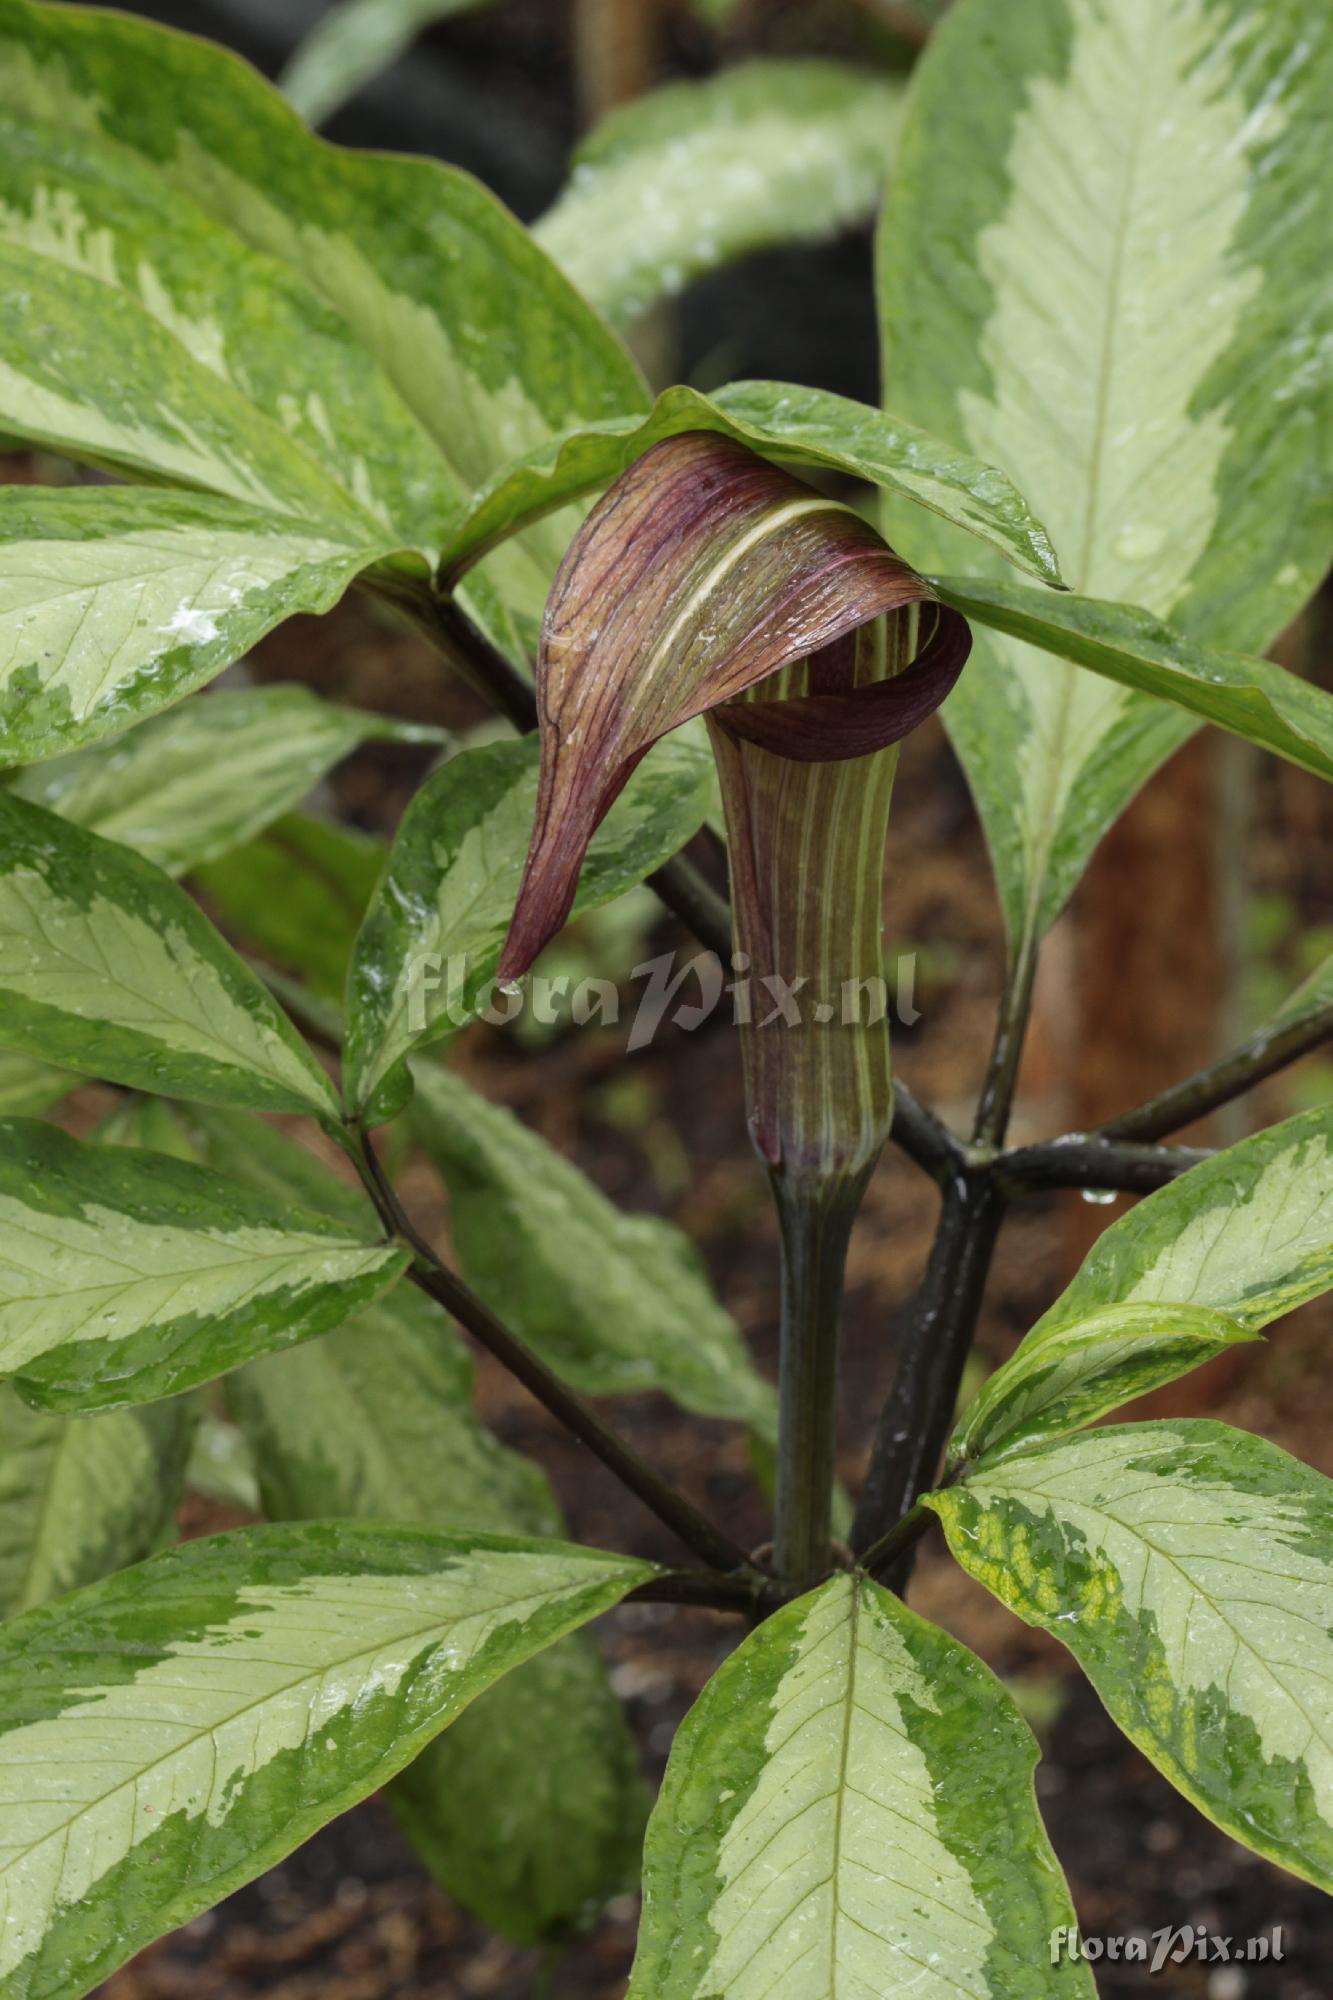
{"x": 1269, "y": 1050}
{"x": 1085, "y": 1160}
{"x": 914, "y": 1423}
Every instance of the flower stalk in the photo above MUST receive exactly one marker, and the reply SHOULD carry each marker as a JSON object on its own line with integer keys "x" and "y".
{"x": 708, "y": 582}
{"x": 814, "y": 1228}
{"x": 807, "y": 842}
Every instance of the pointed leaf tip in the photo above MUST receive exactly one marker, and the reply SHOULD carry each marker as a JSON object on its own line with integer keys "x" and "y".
{"x": 700, "y": 572}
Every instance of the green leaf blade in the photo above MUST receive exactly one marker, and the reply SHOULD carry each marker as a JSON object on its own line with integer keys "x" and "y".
{"x": 325, "y": 334}
{"x": 299, "y": 893}
{"x": 801, "y": 426}
{"x": 848, "y": 1810}
{"x": 1098, "y": 268}
{"x": 106, "y": 966}
{"x": 1200, "y": 1265}
{"x": 697, "y": 174}
{"x": 27, "y": 1087}
{"x": 1248, "y": 1233}
{"x": 614, "y": 1303}
{"x": 1252, "y": 698}
{"x": 126, "y": 1276}
{"x": 351, "y": 43}
{"x": 1189, "y": 1569}
{"x": 115, "y": 602}
{"x": 531, "y": 1826}
{"x": 262, "y": 1682}
{"x": 189, "y": 786}
{"x": 82, "y": 1497}
{"x": 428, "y": 949}
{"x": 1072, "y": 1373}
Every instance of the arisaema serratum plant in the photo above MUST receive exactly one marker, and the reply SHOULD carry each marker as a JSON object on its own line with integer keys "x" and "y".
{"x": 306, "y": 369}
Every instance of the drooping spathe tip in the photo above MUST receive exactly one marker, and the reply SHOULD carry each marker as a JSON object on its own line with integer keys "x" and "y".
{"x": 700, "y": 572}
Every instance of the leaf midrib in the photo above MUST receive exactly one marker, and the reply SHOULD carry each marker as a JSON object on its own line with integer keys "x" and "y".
{"x": 227, "y": 1054}
{"x": 1045, "y": 832}
{"x": 1099, "y": 1511}
{"x": 518, "y": 1609}
{"x": 325, "y": 469}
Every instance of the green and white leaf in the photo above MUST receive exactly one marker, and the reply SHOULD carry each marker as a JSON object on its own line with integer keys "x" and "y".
{"x": 801, "y": 426}
{"x": 298, "y": 893}
{"x": 1100, "y": 268}
{"x": 83, "y": 1496}
{"x": 1199, "y": 1265}
{"x": 115, "y": 602}
{"x": 188, "y": 786}
{"x": 351, "y": 43}
{"x": 1248, "y": 1233}
{"x": 196, "y": 291}
{"x": 126, "y": 1275}
{"x": 1252, "y": 698}
{"x": 174, "y": 1731}
{"x": 695, "y": 175}
{"x": 107, "y": 966}
{"x": 426, "y": 955}
{"x": 1189, "y": 1569}
{"x": 615, "y": 1303}
{"x": 376, "y": 1420}
{"x": 1068, "y": 1375}
{"x": 531, "y": 1810}
{"x": 848, "y": 1810}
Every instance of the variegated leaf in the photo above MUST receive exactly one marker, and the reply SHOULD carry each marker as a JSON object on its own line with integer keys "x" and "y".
{"x": 1201, "y": 1264}
{"x": 427, "y": 952}
{"x": 105, "y": 965}
{"x": 530, "y": 1826}
{"x": 114, "y": 602}
{"x": 1189, "y": 1569}
{"x": 83, "y": 1496}
{"x": 174, "y": 1731}
{"x": 351, "y": 43}
{"x": 148, "y": 1124}
{"x": 195, "y": 290}
{"x": 1254, "y": 699}
{"x": 697, "y": 174}
{"x": 298, "y": 894}
{"x": 1248, "y": 1233}
{"x": 847, "y": 1812}
{"x": 376, "y": 1420}
{"x": 188, "y": 786}
{"x": 614, "y": 1302}
{"x": 802, "y": 426}
{"x": 126, "y": 1275}
{"x": 1066, "y": 1375}
{"x": 1101, "y": 268}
